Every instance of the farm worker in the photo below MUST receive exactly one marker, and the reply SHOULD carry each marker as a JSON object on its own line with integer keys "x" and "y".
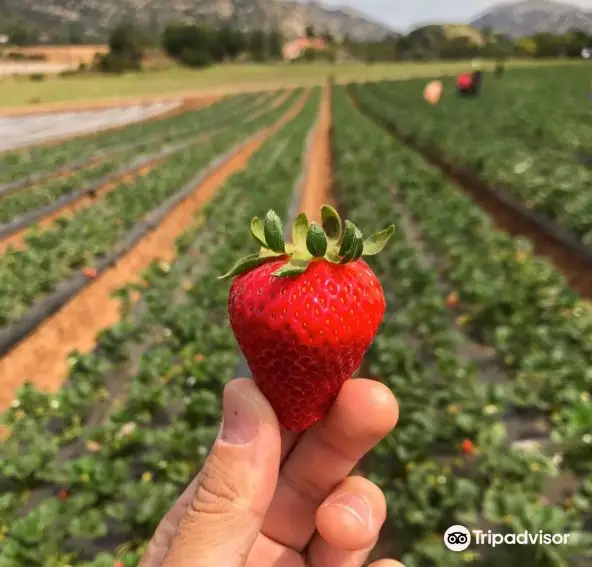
{"x": 463, "y": 83}
{"x": 266, "y": 497}
{"x": 476, "y": 76}
{"x": 433, "y": 91}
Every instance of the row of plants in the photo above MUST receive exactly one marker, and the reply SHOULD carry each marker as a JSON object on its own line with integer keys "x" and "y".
{"x": 39, "y": 159}
{"x": 542, "y": 107}
{"x": 225, "y": 113}
{"x": 453, "y": 282}
{"x": 77, "y": 242}
{"x": 88, "y": 472}
{"x": 493, "y": 141}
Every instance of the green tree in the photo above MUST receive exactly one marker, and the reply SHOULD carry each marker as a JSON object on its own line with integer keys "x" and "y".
{"x": 575, "y": 42}
{"x": 328, "y": 37}
{"x": 126, "y": 50}
{"x": 256, "y": 45}
{"x": 127, "y": 42}
{"x": 275, "y": 42}
{"x": 548, "y": 44}
{"x": 230, "y": 42}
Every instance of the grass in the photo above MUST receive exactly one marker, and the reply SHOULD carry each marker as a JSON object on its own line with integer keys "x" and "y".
{"x": 55, "y": 89}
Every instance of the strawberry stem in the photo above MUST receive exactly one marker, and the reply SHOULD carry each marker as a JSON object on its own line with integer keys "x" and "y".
{"x": 335, "y": 241}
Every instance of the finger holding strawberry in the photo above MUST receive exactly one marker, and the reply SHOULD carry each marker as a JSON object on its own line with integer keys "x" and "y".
{"x": 305, "y": 312}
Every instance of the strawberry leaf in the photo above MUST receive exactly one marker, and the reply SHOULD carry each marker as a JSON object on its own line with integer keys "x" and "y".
{"x": 316, "y": 240}
{"x": 348, "y": 238}
{"x": 299, "y": 230}
{"x": 375, "y": 243}
{"x": 257, "y": 231}
{"x": 248, "y": 263}
{"x": 294, "y": 267}
{"x": 274, "y": 232}
{"x": 331, "y": 222}
{"x": 333, "y": 257}
{"x": 356, "y": 248}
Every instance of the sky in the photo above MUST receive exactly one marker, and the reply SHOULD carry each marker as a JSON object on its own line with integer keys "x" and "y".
{"x": 403, "y": 14}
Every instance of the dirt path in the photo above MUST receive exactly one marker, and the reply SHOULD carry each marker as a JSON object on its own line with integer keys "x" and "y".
{"x": 42, "y": 357}
{"x": 317, "y": 182}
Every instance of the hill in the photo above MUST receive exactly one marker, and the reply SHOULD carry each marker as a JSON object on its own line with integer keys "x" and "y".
{"x": 531, "y": 16}
{"x": 93, "y": 18}
{"x": 439, "y": 33}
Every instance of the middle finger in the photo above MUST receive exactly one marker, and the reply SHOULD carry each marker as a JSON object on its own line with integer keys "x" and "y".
{"x": 364, "y": 412}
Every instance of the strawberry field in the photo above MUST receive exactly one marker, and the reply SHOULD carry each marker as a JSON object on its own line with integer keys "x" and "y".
{"x": 486, "y": 341}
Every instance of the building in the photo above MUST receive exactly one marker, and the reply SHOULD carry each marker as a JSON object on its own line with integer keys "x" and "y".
{"x": 294, "y": 49}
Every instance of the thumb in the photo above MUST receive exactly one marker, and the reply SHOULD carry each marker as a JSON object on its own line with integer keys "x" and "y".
{"x": 235, "y": 486}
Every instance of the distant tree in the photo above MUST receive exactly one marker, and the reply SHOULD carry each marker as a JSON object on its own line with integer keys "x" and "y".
{"x": 21, "y": 34}
{"x": 328, "y": 37}
{"x": 191, "y": 45}
{"x": 195, "y": 57}
{"x": 525, "y": 46}
{"x": 127, "y": 42}
{"x": 575, "y": 42}
{"x": 197, "y": 46}
{"x": 230, "y": 42}
{"x": 126, "y": 50}
{"x": 487, "y": 34}
{"x": 256, "y": 45}
{"x": 75, "y": 35}
{"x": 548, "y": 44}
{"x": 275, "y": 42}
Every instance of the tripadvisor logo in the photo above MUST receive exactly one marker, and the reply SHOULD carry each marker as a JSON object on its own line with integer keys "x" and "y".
{"x": 458, "y": 538}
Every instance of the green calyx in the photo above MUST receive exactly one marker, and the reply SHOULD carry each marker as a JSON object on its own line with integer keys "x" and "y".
{"x": 335, "y": 242}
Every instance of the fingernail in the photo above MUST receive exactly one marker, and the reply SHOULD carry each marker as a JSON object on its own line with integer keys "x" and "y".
{"x": 357, "y": 506}
{"x": 240, "y": 421}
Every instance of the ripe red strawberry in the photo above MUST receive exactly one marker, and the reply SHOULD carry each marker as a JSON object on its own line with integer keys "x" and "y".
{"x": 304, "y": 313}
{"x": 89, "y": 273}
{"x": 467, "y": 447}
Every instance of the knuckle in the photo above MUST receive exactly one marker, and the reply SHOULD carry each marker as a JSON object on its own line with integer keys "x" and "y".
{"x": 217, "y": 491}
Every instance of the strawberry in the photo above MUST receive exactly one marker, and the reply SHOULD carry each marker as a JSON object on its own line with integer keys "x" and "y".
{"x": 90, "y": 273}
{"x": 452, "y": 300}
{"x": 467, "y": 447}
{"x": 304, "y": 313}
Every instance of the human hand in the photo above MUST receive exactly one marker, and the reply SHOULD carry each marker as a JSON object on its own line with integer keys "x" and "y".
{"x": 267, "y": 497}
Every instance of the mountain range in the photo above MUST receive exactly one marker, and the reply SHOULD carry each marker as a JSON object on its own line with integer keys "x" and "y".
{"x": 94, "y": 18}
{"x": 531, "y": 16}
